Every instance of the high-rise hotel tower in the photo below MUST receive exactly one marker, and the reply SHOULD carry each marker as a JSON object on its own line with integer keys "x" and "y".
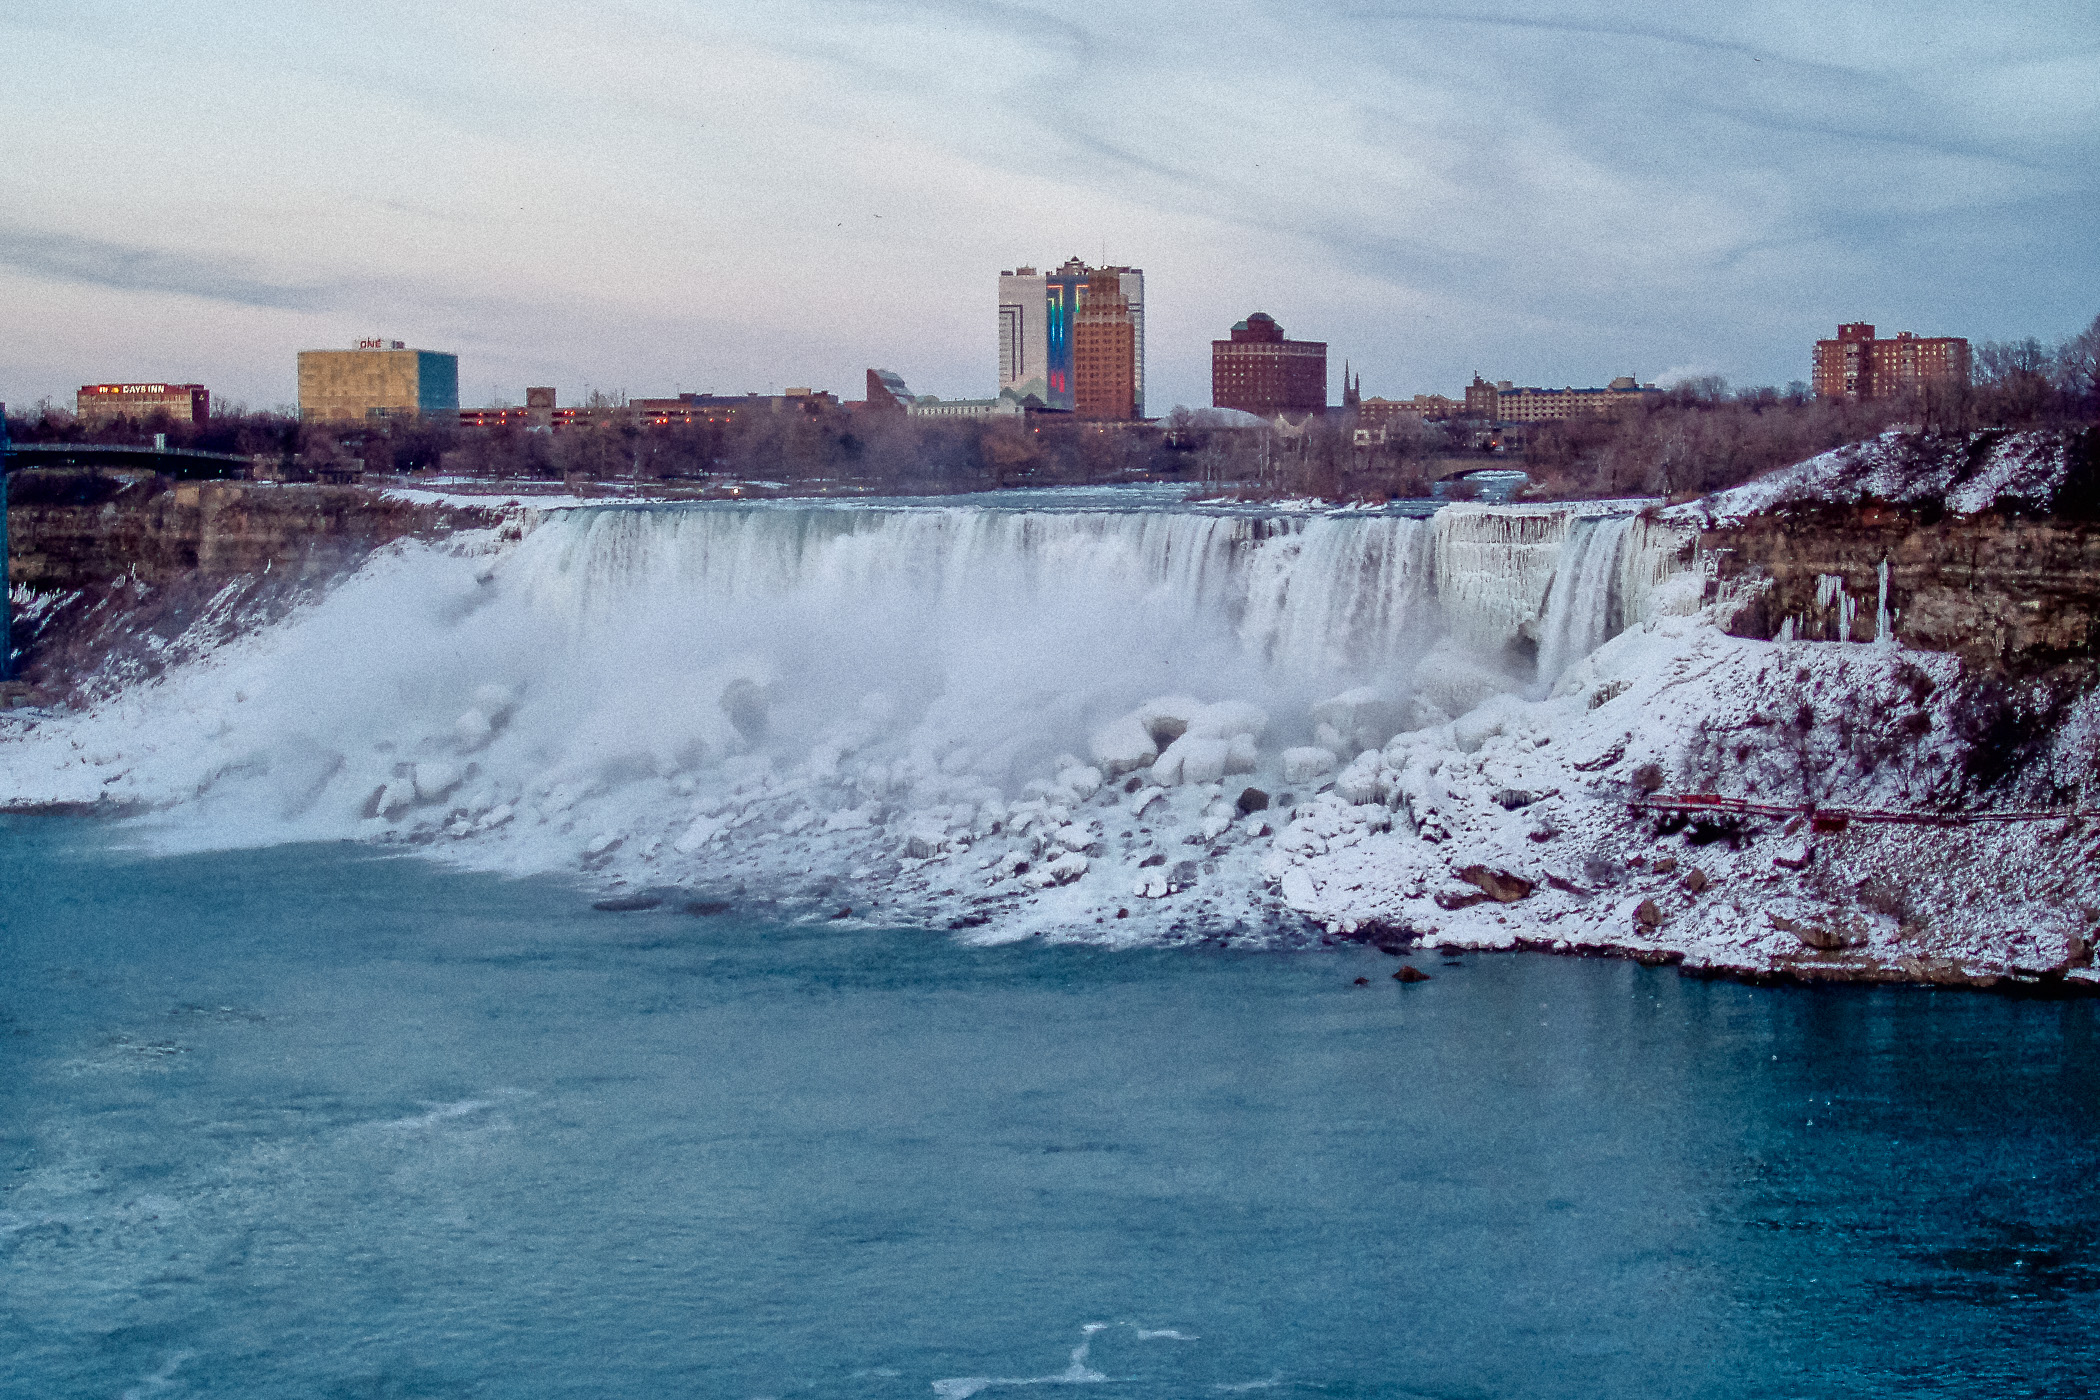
{"x": 1038, "y": 323}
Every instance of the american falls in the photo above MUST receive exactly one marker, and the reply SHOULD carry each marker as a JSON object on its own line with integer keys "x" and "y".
{"x": 1085, "y": 720}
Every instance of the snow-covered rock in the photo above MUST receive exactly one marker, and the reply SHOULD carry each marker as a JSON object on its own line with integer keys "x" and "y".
{"x": 1123, "y": 744}
{"x": 1307, "y": 763}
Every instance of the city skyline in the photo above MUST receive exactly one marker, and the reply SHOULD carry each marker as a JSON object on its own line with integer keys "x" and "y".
{"x": 799, "y": 193}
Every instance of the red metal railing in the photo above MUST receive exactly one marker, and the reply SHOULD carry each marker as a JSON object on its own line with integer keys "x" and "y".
{"x": 1837, "y": 818}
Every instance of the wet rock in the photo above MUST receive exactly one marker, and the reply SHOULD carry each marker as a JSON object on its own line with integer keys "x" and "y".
{"x": 1502, "y": 886}
{"x": 628, "y": 903}
{"x": 1252, "y": 800}
{"x": 707, "y": 908}
{"x": 1648, "y": 914}
{"x": 1410, "y": 973}
{"x": 1363, "y": 981}
{"x": 845, "y": 912}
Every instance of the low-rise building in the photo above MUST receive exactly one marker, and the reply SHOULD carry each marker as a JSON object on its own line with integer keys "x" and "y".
{"x": 1007, "y": 405}
{"x": 1504, "y": 402}
{"x": 182, "y": 403}
{"x": 1377, "y": 412}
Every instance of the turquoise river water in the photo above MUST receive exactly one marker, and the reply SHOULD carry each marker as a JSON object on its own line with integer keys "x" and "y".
{"x": 309, "y": 1121}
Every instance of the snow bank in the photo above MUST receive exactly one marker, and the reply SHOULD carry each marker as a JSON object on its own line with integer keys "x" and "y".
{"x": 1966, "y": 475}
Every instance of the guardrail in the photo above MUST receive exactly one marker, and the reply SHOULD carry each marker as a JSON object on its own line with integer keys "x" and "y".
{"x": 1822, "y": 818}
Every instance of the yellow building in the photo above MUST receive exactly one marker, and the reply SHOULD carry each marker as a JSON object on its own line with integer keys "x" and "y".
{"x": 379, "y": 379}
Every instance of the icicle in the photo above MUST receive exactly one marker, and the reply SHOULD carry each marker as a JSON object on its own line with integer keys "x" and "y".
{"x": 1884, "y": 625}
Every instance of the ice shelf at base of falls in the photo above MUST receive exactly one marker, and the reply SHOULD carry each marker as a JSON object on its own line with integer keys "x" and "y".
{"x": 1080, "y": 720}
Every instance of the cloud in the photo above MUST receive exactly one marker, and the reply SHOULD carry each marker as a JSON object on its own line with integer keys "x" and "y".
{"x": 1549, "y": 193}
{"x": 62, "y": 257}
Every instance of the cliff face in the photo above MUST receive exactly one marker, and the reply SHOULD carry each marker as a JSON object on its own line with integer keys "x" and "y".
{"x": 131, "y": 573}
{"x": 2008, "y": 594}
{"x": 72, "y": 530}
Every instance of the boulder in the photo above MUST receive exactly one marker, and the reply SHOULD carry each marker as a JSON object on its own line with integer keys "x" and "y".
{"x": 1824, "y": 935}
{"x": 1648, "y": 914}
{"x": 1122, "y": 745}
{"x": 1252, "y": 800}
{"x": 1081, "y": 782}
{"x": 628, "y": 903}
{"x": 743, "y": 700}
{"x": 1502, "y": 886}
{"x": 1183, "y": 873}
{"x": 1191, "y": 759}
{"x": 1307, "y": 764}
{"x": 1798, "y": 856}
{"x": 1410, "y": 973}
{"x": 1362, "y": 718}
{"x": 1228, "y": 719}
{"x": 1165, "y": 718}
{"x": 1511, "y": 799}
{"x": 1696, "y": 882}
{"x": 1299, "y": 891}
{"x": 435, "y": 780}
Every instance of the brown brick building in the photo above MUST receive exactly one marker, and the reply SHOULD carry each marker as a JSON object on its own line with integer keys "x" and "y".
{"x": 1857, "y": 366}
{"x": 1104, "y": 352}
{"x": 1258, "y": 371}
{"x": 184, "y": 403}
{"x": 1383, "y": 413}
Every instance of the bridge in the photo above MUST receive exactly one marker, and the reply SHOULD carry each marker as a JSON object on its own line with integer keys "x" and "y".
{"x": 182, "y": 463}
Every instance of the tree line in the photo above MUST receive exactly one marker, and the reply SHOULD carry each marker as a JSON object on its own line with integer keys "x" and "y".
{"x": 1699, "y": 436}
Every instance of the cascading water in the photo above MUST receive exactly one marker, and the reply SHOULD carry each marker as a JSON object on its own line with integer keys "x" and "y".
{"x": 840, "y": 702}
{"x": 1582, "y": 603}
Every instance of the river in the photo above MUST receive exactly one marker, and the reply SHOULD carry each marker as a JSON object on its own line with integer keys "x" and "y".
{"x": 319, "y": 1120}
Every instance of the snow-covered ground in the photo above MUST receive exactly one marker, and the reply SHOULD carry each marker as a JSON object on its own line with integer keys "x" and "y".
{"x": 1962, "y": 475}
{"x": 1126, "y": 726}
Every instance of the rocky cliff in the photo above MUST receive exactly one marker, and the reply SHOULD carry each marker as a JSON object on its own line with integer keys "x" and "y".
{"x": 2007, "y": 593}
{"x": 115, "y": 575}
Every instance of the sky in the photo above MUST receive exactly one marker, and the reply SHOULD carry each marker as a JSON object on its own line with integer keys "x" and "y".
{"x": 658, "y": 197}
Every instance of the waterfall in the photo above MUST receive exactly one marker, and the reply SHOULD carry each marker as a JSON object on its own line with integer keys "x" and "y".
{"x": 780, "y": 692}
{"x": 1582, "y": 604}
